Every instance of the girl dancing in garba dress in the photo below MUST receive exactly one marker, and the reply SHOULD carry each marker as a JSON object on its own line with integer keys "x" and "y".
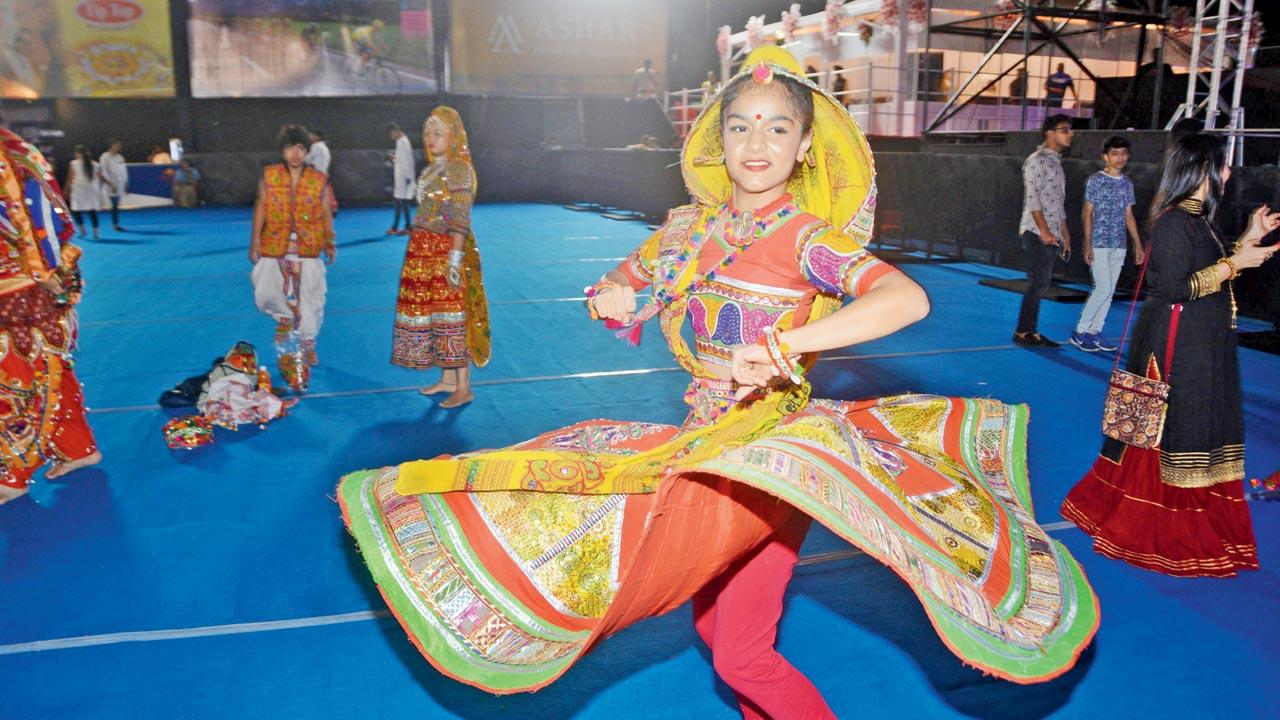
{"x": 505, "y": 566}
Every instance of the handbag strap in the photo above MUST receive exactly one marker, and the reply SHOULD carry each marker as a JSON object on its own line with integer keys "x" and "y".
{"x": 1173, "y": 334}
{"x": 1128, "y": 323}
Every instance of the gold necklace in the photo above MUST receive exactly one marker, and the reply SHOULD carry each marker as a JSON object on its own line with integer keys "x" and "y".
{"x": 1193, "y": 206}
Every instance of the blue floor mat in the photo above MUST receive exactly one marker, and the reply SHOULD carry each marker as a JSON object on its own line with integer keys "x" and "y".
{"x": 246, "y": 531}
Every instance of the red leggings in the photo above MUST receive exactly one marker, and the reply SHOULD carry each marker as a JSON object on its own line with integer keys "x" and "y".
{"x": 737, "y": 615}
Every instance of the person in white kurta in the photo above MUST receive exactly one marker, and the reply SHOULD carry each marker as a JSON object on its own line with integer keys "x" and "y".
{"x": 82, "y": 187}
{"x": 404, "y": 186}
{"x": 115, "y": 179}
{"x": 319, "y": 158}
{"x": 318, "y": 155}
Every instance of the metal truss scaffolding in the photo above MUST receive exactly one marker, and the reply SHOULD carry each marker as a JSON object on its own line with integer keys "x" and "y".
{"x": 1220, "y": 51}
{"x": 1038, "y": 24}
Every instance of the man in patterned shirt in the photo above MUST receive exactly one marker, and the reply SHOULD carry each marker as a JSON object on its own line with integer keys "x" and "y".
{"x": 1044, "y": 224}
{"x": 1108, "y": 214}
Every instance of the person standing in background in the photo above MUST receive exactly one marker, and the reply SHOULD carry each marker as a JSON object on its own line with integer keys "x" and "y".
{"x": 115, "y": 178}
{"x": 403, "y": 184}
{"x": 186, "y": 182}
{"x": 82, "y": 189}
{"x": 1043, "y": 226}
{"x": 319, "y": 158}
{"x": 318, "y": 155}
{"x": 1056, "y": 87}
{"x": 1178, "y": 508}
{"x": 442, "y": 316}
{"x": 1108, "y": 215}
{"x": 644, "y": 84}
{"x": 292, "y": 228}
{"x": 1018, "y": 85}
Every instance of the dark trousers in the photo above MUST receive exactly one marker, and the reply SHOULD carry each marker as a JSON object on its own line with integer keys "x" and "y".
{"x": 115, "y": 211}
{"x": 403, "y": 206}
{"x": 1040, "y": 258}
{"x": 78, "y": 216}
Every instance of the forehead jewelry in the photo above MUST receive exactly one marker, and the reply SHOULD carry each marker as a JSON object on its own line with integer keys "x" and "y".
{"x": 762, "y": 74}
{"x": 435, "y": 123}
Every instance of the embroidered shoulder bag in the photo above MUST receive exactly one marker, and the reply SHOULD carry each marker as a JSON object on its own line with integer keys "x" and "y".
{"x": 1136, "y": 405}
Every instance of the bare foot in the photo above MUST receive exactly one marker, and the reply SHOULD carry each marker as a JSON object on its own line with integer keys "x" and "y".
{"x": 63, "y": 468}
{"x": 440, "y": 387}
{"x": 10, "y": 493}
{"x": 457, "y": 399}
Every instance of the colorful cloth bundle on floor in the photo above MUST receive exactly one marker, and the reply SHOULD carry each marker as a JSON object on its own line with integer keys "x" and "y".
{"x": 235, "y": 392}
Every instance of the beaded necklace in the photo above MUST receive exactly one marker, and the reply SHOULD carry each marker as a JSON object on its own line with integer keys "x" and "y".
{"x": 735, "y": 232}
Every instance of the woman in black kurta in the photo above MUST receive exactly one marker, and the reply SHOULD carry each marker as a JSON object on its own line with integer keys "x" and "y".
{"x": 1179, "y": 508}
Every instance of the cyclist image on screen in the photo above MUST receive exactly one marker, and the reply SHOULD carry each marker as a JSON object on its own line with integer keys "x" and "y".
{"x": 369, "y": 43}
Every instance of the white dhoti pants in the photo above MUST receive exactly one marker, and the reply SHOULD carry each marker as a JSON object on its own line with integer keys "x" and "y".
{"x": 301, "y": 299}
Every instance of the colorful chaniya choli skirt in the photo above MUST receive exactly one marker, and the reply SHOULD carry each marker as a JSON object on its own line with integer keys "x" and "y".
{"x": 438, "y": 325}
{"x": 506, "y": 566}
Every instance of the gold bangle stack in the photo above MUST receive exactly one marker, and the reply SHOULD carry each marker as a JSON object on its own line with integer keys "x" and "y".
{"x": 1231, "y": 268}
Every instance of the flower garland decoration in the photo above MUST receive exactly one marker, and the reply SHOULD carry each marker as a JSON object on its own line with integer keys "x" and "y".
{"x": 889, "y": 12}
{"x": 917, "y": 16}
{"x": 791, "y": 22}
{"x": 722, "y": 41}
{"x": 831, "y": 21}
{"x": 755, "y": 28}
{"x": 1006, "y": 21}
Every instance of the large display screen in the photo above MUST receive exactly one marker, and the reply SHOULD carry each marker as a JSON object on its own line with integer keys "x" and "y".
{"x": 558, "y": 47}
{"x": 85, "y": 48}
{"x": 257, "y": 48}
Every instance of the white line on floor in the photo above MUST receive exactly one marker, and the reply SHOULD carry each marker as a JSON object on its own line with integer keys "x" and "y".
{"x": 306, "y": 622}
{"x": 185, "y": 633}
{"x": 576, "y": 376}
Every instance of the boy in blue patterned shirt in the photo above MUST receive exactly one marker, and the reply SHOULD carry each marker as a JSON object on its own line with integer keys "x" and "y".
{"x": 1108, "y": 216}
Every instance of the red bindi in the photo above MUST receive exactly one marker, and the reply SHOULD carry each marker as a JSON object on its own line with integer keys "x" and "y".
{"x": 758, "y": 116}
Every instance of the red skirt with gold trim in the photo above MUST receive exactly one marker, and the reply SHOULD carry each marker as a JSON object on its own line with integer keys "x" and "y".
{"x": 1188, "y": 532}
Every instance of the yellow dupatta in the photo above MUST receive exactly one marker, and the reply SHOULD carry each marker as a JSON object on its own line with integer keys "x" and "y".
{"x": 479, "y": 338}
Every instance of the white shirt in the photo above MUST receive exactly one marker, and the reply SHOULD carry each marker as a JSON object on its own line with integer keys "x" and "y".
{"x": 404, "y": 186}
{"x": 114, "y": 172}
{"x": 84, "y": 186}
{"x": 318, "y": 156}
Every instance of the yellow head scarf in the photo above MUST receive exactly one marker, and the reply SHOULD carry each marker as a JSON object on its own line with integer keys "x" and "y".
{"x": 839, "y": 184}
{"x": 459, "y": 149}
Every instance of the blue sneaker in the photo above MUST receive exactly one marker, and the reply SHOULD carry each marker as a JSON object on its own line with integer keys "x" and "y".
{"x": 1103, "y": 344}
{"x": 1084, "y": 342}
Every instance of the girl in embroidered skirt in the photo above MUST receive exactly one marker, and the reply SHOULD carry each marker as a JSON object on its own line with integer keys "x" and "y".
{"x": 505, "y": 566}
{"x": 41, "y": 408}
{"x": 442, "y": 317}
{"x": 1179, "y": 509}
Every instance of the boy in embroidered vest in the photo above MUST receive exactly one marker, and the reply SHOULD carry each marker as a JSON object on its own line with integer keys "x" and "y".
{"x": 292, "y": 227}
